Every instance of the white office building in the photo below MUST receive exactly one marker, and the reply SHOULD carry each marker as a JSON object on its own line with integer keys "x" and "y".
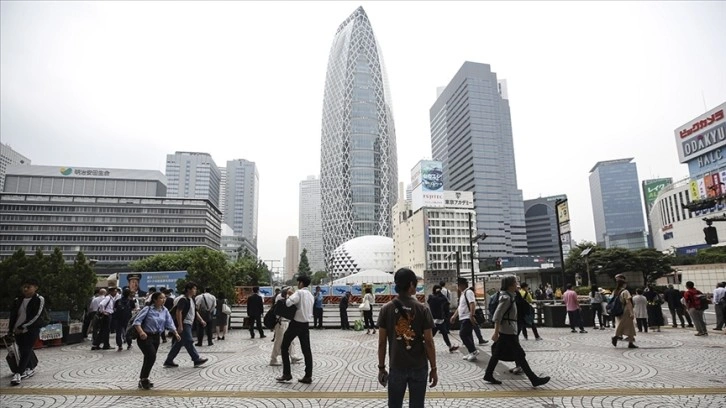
{"x": 9, "y": 157}
{"x": 242, "y": 198}
{"x": 310, "y": 223}
{"x": 193, "y": 175}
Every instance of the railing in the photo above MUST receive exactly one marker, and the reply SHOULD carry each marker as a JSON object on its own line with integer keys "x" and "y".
{"x": 331, "y": 315}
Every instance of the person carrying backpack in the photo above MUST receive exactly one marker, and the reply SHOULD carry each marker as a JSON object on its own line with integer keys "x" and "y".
{"x": 696, "y": 303}
{"x": 625, "y": 324}
{"x": 123, "y": 309}
{"x": 405, "y": 327}
{"x": 27, "y": 316}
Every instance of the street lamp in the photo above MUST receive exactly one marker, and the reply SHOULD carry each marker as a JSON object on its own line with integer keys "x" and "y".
{"x": 585, "y": 254}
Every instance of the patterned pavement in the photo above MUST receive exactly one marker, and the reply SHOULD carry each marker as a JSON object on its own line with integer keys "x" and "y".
{"x": 670, "y": 369}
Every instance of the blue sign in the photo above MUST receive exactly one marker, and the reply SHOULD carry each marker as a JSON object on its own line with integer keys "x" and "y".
{"x": 151, "y": 280}
{"x": 356, "y": 290}
{"x": 339, "y": 290}
{"x": 266, "y": 291}
{"x": 691, "y": 250}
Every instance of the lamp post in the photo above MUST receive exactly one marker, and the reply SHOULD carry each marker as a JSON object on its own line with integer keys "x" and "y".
{"x": 472, "y": 240}
{"x": 585, "y": 254}
{"x": 457, "y": 254}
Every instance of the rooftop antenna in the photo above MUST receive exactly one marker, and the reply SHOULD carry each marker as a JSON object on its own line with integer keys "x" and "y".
{"x": 704, "y": 100}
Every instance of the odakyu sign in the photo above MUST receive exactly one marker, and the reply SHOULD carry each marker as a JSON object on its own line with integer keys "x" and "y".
{"x": 701, "y": 136}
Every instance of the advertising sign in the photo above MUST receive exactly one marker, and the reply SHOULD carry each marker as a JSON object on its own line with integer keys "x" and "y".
{"x": 421, "y": 198}
{"x": 142, "y": 281}
{"x": 651, "y": 189}
{"x": 696, "y": 138}
{"x": 339, "y": 290}
{"x": 51, "y": 331}
{"x": 459, "y": 199}
{"x": 563, "y": 218}
{"x": 427, "y": 180}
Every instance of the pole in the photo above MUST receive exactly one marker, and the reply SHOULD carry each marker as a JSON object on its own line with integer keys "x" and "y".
{"x": 471, "y": 250}
{"x": 458, "y": 264}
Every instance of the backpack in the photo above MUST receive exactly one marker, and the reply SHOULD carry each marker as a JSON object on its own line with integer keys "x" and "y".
{"x": 493, "y": 302}
{"x": 615, "y": 306}
{"x": 121, "y": 306}
{"x": 702, "y": 300}
{"x": 522, "y": 305}
{"x": 270, "y": 319}
{"x": 131, "y": 332}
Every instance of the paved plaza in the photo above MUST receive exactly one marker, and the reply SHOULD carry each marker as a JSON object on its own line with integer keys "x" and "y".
{"x": 670, "y": 369}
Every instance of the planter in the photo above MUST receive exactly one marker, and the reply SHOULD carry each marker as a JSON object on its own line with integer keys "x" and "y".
{"x": 554, "y": 315}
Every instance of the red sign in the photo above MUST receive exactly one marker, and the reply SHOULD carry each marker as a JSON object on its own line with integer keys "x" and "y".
{"x": 702, "y": 124}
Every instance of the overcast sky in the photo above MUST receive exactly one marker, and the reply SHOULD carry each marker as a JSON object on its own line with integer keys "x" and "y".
{"x": 122, "y": 84}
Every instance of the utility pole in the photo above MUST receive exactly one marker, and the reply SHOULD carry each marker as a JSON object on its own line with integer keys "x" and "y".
{"x": 272, "y": 266}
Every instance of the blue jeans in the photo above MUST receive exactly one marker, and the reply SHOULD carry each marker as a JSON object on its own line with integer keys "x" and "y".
{"x": 187, "y": 340}
{"x": 399, "y": 379}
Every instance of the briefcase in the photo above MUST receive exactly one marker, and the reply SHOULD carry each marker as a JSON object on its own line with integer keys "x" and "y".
{"x": 247, "y": 323}
{"x": 283, "y": 310}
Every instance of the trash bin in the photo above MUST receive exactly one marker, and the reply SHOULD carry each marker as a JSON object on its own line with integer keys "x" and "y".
{"x": 554, "y": 315}
{"x": 586, "y": 315}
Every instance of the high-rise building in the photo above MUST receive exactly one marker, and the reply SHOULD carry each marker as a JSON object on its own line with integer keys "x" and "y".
{"x": 222, "y": 188}
{"x": 242, "y": 193}
{"x": 310, "y": 224}
{"x": 193, "y": 175}
{"x": 651, "y": 189}
{"x": 292, "y": 257}
{"x": 616, "y": 205}
{"x": 540, "y": 217}
{"x": 358, "y": 168}
{"x": 9, "y": 157}
{"x": 471, "y": 133}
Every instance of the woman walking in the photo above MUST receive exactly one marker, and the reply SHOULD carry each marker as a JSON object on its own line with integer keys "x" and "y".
{"x": 151, "y": 321}
{"x": 367, "y": 308}
{"x": 640, "y": 310}
{"x": 625, "y": 326}
{"x": 596, "y": 301}
{"x": 222, "y": 318}
{"x": 655, "y": 312}
{"x": 506, "y": 342}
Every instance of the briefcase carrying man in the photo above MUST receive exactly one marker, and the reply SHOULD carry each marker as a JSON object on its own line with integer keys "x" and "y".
{"x": 283, "y": 310}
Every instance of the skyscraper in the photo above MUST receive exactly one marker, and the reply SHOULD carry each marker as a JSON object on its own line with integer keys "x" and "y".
{"x": 192, "y": 175}
{"x": 222, "y": 188}
{"x": 311, "y": 227}
{"x": 242, "y": 192}
{"x": 540, "y": 218}
{"x": 471, "y": 133}
{"x": 616, "y": 205}
{"x": 292, "y": 257}
{"x": 358, "y": 169}
{"x": 8, "y": 157}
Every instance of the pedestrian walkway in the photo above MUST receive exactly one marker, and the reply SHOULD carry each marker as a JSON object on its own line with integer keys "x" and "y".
{"x": 670, "y": 369}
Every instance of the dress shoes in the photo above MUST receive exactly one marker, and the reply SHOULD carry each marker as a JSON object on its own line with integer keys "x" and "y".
{"x": 540, "y": 381}
{"x": 284, "y": 378}
{"x": 306, "y": 380}
{"x": 491, "y": 380}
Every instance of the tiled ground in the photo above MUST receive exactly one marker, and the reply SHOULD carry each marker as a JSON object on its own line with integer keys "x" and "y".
{"x": 670, "y": 369}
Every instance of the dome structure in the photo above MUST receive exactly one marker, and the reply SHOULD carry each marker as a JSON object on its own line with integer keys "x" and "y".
{"x": 362, "y": 253}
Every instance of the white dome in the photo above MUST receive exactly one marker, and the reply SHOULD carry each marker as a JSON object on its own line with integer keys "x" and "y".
{"x": 363, "y": 253}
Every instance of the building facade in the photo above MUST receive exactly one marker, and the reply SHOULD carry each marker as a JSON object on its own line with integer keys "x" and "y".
{"x": 540, "y": 218}
{"x": 292, "y": 257}
{"x": 223, "y": 189}
{"x": 310, "y": 223}
{"x": 616, "y": 205}
{"x": 235, "y": 246}
{"x": 651, "y": 188}
{"x": 9, "y": 157}
{"x": 242, "y": 198}
{"x": 471, "y": 134}
{"x": 193, "y": 175}
{"x": 358, "y": 162}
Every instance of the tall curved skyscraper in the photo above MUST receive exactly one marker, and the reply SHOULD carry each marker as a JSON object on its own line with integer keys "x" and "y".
{"x": 358, "y": 169}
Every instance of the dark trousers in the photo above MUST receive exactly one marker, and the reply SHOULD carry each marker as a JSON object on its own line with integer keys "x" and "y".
{"x": 102, "y": 331}
{"x": 368, "y": 319}
{"x": 575, "y": 319}
{"x": 477, "y": 331}
{"x": 344, "y": 319}
{"x": 208, "y": 329}
{"x": 87, "y": 323}
{"x": 148, "y": 347}
{"x": 521, "y": 362}
{"x": 302, "y": 332}
{"x": 681, "y": 314}
{"x": 121, "y": 337}
{"x": 522, "y": 328}
{"x": 596, "y": 314}
{"x": 318, "y": 317}
{"x": 25, "y": 342}
{"x": 642, "y": 324}
{"x": 413, "y": 378}
{"x": 256, "y": 322}
{"x": 467, "y": 335}
{"x": 444, "y": 333}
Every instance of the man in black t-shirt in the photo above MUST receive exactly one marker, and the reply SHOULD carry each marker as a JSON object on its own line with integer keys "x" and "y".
{"x": 405, "y": 327}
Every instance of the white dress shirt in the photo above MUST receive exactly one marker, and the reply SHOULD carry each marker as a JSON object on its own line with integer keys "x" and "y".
{"x": 304, "y": 300}
{"x": 106, "y": 306}
{"x": 718, "y": 294}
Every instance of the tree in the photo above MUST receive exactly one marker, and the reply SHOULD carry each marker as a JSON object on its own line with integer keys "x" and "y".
{"x": 304, "y": 266}
{"x": 612, "y": 261}
{"x": 250, "y": 271}
{"x": 318, "y": 277}
{"x": 12, "y": 273}
{"x": 576, "y": 263}
{"x": 652, "y": 264}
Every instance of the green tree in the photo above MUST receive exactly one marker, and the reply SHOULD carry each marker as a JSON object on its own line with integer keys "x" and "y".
{"x": 318, "y": 277}
{"x": 69, "y": 286}
{"x": 12, "y": 273}
{"x": 304, "y": 266}
{"x": 612, "y": 261}
{"x": 250, "y": 271}
{"x": 652, "y": 264}
{"x": 576, "y": 263}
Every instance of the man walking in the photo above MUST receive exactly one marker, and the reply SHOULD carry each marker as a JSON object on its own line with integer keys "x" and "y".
{"x": 299, "y": 327}
{"x": 318, "y": 309}
{"x": 255, "y": 310}
{"x": 673, "y": 298}
{"x": 344, "y": 301}
{"x": 719, "y": 303}
{"x": 206, "y": 304}
{"x": 573, "y": 309}
{"x": 184, "y": 316}
{"x": 25, "y": 323}
{"x": 410, "y": 342}
{"x": 465, "y": 314}
{"x": 91, "y": 314}
{"x": 692, "y": 300}
{"x": 105, "y": 311}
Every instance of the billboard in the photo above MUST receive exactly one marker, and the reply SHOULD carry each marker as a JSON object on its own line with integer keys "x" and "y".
{"x": 651, "y": 189}
{"x": 563, "y": 219}
{"x": 702, "y": 138}
{"x": 427, "y": 179}
{"x": 459, "y": 199}
{"x": 150, "y": 280}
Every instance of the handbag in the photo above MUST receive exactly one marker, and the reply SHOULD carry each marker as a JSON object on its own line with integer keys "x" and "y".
{"x": 283, "y": 310}
{"x": 479, "y": 316}
{"x": 226, "y": 309}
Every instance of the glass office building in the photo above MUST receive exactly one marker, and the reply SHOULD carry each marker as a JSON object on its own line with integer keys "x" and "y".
{"x": 358, "y": 169}
{"x": 616, "y": 205}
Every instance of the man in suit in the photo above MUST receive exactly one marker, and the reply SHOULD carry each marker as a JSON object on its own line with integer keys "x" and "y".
{"x": 255, "y": 310}
{"x": 344, "y": 301}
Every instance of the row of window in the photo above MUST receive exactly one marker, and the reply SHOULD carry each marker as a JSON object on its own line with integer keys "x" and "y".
{"x": 92, "y": 209}
{"x": 113, "y": 239}
{"x": 671, "y": 209}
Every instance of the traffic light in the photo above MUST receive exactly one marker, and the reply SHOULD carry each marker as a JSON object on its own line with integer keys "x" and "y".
{"x": 711, "y": 235}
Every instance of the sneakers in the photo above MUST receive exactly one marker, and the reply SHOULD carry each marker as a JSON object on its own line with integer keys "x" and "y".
{"x": 573, "y": 331}
{"x": 471, "y": 356}
{"x": 516, "y": 370}
{"x": 296, "y": 360}
{"x": 171, "y": 365}
{"x": 29, "y": 372}
{"x": 583, "y": 331}
{"x": 200, "y": 362}
{"x": 482, "y": 341}
{"x": 538, "y": 339}
{"x": 16, "y": 379}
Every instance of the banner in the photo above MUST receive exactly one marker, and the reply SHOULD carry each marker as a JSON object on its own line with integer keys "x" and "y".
{"x": 51, "y": 332}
